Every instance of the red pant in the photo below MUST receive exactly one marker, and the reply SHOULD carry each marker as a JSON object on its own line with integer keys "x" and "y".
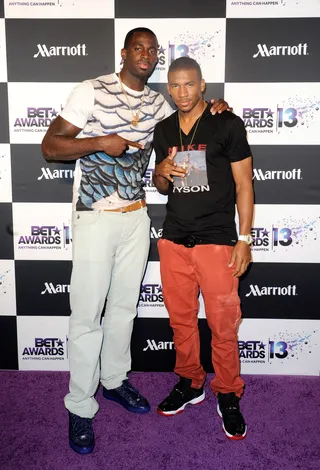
{"x": 183, "y": 272}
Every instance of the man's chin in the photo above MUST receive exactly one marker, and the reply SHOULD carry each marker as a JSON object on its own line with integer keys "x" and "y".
{"x": 185, "y": 109}
{"x": 144, "y": 74}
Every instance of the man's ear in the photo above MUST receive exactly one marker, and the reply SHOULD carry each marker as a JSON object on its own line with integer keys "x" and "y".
{"x": 123, "y": 54}
{"x": 168, "y": 88}
{"x": 202, "y": 85}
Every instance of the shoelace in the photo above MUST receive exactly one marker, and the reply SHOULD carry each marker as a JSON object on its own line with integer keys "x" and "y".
{"x": 125, "y": 389}
{"x": 81, "y": 426}
{"x": 233, "y": 418}
{"x": 131, "y": 387}
{"x": 232, "y": 411}
{"x": 176, "y": 390}
{"x": 176, "y": 393}
{"x": 232, "y": 408}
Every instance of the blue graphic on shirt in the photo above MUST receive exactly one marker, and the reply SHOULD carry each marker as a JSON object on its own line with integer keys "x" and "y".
{"x": 103, "y": 175}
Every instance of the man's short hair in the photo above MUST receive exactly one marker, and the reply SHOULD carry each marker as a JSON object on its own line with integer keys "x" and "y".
{"x": 136, "y": 30}
{"x": 185, "y": 63}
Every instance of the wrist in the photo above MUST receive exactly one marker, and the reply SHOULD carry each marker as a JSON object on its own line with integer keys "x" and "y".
{"x": 246, "y": 238}
{"x": 98, "y": 144}
{"x": 157, "y": 172}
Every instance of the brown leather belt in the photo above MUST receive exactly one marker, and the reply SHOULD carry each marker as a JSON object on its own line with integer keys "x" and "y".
{"x": 132, "y": 207}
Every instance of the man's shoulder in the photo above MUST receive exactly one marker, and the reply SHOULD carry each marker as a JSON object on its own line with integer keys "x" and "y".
{"x": 109, "y": 79}
{"x": 154, "y": 94}
{"x": 225, "y": 121}
{"x": 225, "y": 117}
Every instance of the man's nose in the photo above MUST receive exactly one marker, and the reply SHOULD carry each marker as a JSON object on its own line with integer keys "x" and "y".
{"x": 183, "y": 91}
{"x": 145, "y": 54}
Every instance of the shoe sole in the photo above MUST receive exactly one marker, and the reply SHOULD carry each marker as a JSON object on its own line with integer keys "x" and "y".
{"x": 128, "y": 408}
{"x": 81, "y": 450}
{"x": 194, "y": 401}
{"x": 230, "y": 436}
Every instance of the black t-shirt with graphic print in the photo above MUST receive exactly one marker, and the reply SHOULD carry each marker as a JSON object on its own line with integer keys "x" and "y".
{"x": 203, "y": 203}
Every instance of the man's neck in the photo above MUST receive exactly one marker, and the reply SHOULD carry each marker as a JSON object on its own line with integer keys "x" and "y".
{"x": 191, "y": 116}
{"x": 131, "y": 81}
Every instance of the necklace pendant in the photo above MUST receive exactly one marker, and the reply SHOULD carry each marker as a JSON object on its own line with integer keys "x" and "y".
{"x": 135, "y": 120}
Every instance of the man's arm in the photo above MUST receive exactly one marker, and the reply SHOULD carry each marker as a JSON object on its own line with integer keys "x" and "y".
{"x": 164, "y": 172}
{"x": 242, "y": 175}
{"x": 60, "y": 142}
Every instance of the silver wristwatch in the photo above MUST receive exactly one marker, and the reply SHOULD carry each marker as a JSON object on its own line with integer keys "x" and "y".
{"x": 246, "y": 238}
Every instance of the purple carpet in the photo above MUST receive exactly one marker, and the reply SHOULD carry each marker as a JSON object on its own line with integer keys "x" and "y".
{"x": 282, "y": 413}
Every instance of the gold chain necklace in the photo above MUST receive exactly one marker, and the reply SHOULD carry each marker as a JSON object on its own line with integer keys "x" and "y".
{"x": 195, "y": 130}
{"x": 135, "y": 116}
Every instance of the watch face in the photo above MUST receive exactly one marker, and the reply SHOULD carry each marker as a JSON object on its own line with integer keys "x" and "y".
{"x": 246, "y": 238}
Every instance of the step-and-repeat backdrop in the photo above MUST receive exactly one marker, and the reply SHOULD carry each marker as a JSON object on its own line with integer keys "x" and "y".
{"x": 263, "y": 58}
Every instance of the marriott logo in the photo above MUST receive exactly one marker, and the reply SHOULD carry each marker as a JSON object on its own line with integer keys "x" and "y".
{"x": 262, "y": 175}
{"x": 50, "y": 288}
{"x": 51, "y": 175}
{"x": 269, "y": 51}
{"x": 257, "y": 291}
{"x": 160, "y": 345}
{"x": 154, "y": 233}
{"x": 52, "y": 51}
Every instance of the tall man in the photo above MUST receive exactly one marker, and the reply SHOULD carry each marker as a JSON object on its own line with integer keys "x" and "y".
{"x": 110, "y": 225}
{"x": 200, "y": 248}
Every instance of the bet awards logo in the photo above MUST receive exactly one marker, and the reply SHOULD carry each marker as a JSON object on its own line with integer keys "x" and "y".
{"x": 264, "y": 239}
{"x": 151, "y": 295}
{"x": 259, "y": 352}
{"x": 265, "y": 51}
{"x": 149, "y": 187}
{"x": 46, "y": 237}
{"x": 45, "y": 349}
{"x": 37, "y": 120}
{"x": 288, "y": 233}
{"x": 161, "y": 58}
{"x": 264, "y": 120}
{"x": 252, "y": 350}
{"x": 53, "y": 51}
{"x": 284, "y": 346}
{"x": 147, "y": 178}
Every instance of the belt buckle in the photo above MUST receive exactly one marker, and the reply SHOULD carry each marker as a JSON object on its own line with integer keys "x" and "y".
{"x": 190, "y": 242}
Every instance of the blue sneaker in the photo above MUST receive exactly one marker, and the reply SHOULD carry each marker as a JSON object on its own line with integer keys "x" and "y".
{"x": 81, "y": 436}
{"x": 129, "y": 397}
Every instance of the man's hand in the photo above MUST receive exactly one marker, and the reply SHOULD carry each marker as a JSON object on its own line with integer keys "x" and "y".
{"x": 114, "y": 145}
{"x": 218, "y": 106}
{"x": 168, "y": 167}
{"x": 240, "y": 258}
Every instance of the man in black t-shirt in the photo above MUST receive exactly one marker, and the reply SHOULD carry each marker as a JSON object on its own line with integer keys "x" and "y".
{"x": 200, "y": 249}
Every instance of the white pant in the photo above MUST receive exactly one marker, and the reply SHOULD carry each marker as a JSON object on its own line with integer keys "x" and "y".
{"x": 110, "y": 251}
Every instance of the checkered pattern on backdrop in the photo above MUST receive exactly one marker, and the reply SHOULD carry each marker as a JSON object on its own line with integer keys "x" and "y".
{"x": 262, "y": 57}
